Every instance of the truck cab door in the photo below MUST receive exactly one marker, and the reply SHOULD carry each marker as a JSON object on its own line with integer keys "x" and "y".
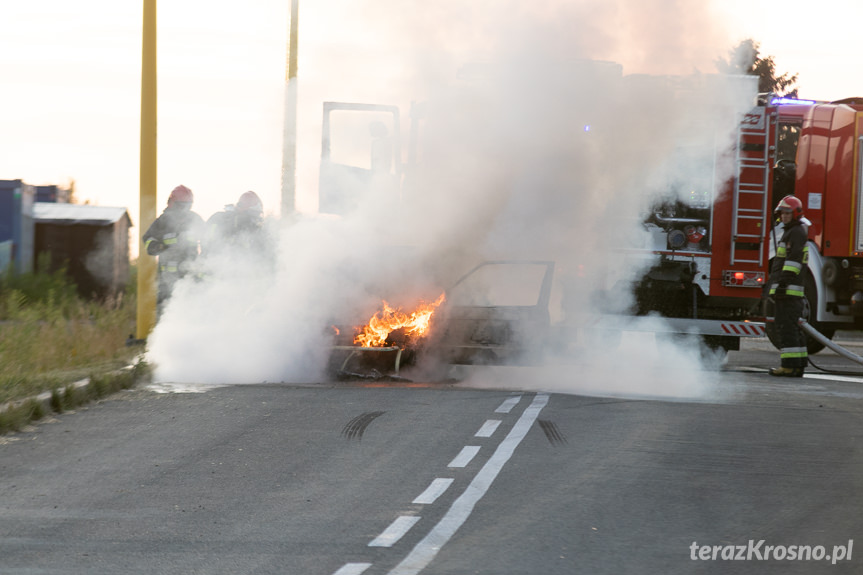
{"x": 360, "y": 157}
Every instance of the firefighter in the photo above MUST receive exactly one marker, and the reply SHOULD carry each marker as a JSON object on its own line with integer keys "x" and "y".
{"x": 175, "y": 238}
{"x": 238, "y": 226}
{"x": 786, "y": 287}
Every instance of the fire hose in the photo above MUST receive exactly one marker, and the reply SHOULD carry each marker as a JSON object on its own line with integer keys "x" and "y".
{"x": 818, "y": 336}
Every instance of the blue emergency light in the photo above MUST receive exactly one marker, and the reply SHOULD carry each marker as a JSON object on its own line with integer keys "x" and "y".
{"x": 788, "y": 101}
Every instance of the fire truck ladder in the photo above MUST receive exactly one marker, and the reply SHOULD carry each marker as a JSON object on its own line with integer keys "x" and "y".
{"x": 753, "y": 169}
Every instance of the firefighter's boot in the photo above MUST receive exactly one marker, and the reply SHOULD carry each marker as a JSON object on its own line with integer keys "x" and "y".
{"x": 787, "y": 371}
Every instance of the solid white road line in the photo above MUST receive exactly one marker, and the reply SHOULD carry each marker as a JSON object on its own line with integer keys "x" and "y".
{"x": 433, "y": 491}
{"x": 508, "y": 404}
{"x": 352, "y": 568}
{"x": 488, "y": 428}
{"x": 467, "y": 453}
{"x": 424, "y": 551}
{"x": 395, "y": 531}
{"x": 847, "y": 378}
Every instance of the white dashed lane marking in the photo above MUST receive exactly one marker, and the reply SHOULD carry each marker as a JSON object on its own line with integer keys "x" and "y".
{"x": 428, "y": 547}
{"x": 433, "y": 491}
{"x": 467, "y": 453}
{"x": 508, "y": 404}
{"x": 424, "y": 551}
{"x": 488, "y": 428}
{"x": 395, "y": 531}
{"x": 352, "y": 568}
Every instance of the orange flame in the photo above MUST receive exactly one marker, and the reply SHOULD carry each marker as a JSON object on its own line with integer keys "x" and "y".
{"x": 415, "y": 324}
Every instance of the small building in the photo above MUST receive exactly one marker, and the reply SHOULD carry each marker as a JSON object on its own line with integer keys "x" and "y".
{"x": 16, "y": 225}
{"x": 91, "y": 241}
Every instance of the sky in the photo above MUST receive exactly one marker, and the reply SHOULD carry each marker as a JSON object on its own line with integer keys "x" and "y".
{"x": 71, "y": 78}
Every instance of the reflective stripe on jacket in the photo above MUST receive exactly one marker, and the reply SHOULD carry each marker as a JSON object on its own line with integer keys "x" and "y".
{"x": 792, "y": 256}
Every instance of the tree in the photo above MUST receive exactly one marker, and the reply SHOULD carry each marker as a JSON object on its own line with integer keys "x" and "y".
{"x": 746, "y": 59}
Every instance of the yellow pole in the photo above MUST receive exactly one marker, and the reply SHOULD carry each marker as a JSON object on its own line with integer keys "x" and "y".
{"x": 289, "y": 145}
{"x": 147, "y": 264}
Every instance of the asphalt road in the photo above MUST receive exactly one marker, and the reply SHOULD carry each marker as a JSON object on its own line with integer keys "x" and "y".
{"x": 444, "y": 479}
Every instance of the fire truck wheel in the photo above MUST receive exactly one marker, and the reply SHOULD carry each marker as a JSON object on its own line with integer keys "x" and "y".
{"x": 814, "y": 346}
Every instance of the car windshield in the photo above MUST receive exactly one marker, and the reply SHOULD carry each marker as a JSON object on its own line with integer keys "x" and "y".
{"x": 500, "y": 284}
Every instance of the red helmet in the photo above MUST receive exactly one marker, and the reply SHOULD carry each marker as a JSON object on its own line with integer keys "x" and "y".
{"x": 792, "y": 205}
{"x": 182, "y": 195}
{"x": 250, "y": 202}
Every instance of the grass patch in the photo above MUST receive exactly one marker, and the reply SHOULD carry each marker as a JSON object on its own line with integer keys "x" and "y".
{"x": 19, "y": 416}
{"x": 51, "y": 338}
{"x": 71, "y": 396}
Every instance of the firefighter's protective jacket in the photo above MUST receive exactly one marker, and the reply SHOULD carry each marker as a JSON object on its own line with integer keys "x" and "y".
{"x": 175, "y": 237}
{"x": 792, "y": 255}
{"x": 237, "y": 235}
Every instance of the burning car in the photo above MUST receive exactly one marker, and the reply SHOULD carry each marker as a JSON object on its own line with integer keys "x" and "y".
{"x": 496, "y": 314}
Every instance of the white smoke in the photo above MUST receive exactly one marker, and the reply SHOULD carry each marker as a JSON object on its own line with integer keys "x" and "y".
{"x": 533, "y": 148}
{"x": 630, "y": 364}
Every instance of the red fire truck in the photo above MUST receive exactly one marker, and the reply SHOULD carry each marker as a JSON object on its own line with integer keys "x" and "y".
{"x": 715, "y": 259}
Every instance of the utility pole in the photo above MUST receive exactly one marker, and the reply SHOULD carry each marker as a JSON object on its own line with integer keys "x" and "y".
{"x": 146, "y": 316}
{"x": 289, "y": 145}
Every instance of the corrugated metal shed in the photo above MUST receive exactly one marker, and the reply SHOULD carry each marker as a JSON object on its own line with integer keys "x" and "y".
{"x": 91, "y": 241}
{"x": 78, "y": 214}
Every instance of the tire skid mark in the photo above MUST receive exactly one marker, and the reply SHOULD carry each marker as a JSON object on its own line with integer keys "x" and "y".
{"x": 551, "y": 431}
{"x": 355, "y": 428}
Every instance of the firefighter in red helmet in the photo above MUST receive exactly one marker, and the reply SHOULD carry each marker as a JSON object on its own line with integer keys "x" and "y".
{"x": 250, "y": 202}
{"x": 175, "y": 238}
{"x": 249, "y": 211}
{"x": 786, "y": 287}
{"x": 239, "y": 226}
